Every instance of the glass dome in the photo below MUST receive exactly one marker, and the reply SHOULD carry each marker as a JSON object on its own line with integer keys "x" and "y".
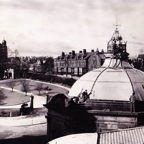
{"x": 115, "y": 80}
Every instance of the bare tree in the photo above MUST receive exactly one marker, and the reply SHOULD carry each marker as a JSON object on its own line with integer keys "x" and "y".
{"x": 11, "y": 84}
{"x": 25, "y": 86}
{"x": 16, "y": 53}
{"x": 11, "y": 53}
{"x": 39, "y": 87}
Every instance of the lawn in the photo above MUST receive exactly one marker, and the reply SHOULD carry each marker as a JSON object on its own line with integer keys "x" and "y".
{"x": 13, "y": 98}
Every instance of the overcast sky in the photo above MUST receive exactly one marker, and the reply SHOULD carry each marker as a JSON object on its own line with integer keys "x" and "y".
{"x": 48, "y": 27}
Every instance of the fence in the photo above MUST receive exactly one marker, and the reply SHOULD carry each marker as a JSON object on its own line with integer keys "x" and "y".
{"x": 10, "y": 114}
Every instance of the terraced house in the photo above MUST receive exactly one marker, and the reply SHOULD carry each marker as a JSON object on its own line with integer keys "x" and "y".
{"x": 78, "y": 63}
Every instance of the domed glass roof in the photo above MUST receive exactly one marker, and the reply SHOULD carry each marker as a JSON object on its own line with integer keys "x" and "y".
{"x": 115, "y": 80}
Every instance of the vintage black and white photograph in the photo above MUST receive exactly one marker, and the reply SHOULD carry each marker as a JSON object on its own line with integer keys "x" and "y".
{"x": 71, "y": 72}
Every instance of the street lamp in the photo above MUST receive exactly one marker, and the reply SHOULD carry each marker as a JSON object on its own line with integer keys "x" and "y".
{"x": 47, "y": 96}
{"x": 31, "y": 101}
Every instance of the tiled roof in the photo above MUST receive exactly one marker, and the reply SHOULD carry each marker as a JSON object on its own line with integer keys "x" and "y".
{"x": 125, "y": 136}
{"x": 88, "y": 55}
{"x": 102, "y": 56}
{"x": 79, "y": 56}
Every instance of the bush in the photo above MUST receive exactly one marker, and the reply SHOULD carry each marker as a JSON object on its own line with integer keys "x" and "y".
{"x": 53, "y": 79}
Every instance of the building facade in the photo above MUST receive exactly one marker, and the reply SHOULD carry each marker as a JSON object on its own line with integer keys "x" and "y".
{"x": 3, "y": 51}
{"x": 78, "y": 63}
{"x": 108, "y": 107}
{"x": 3, "y": 57}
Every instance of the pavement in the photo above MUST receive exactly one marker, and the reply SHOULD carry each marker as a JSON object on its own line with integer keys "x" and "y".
{"x": 51, "y": 84}
{"x": 22, "y": 120}
{"x": 7, "y": 132}
{"x": 33, "y": 134}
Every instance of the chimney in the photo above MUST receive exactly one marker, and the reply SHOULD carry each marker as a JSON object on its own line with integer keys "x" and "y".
{"x": 73, "y": 53}
{"x": 84, "y": 51}
{"x": 63, "y": 54}
{"x": 97, "y": 51}
{"x": 102, "y": 51}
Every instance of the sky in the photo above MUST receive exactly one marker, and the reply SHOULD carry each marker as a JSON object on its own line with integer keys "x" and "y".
{"x": 48, "y": 27}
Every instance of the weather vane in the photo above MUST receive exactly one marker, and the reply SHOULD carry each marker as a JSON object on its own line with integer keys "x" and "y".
{"x": 116, "y": 25}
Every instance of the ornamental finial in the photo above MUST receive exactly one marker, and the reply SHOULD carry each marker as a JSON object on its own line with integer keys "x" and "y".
{"x": 116, "y": 25}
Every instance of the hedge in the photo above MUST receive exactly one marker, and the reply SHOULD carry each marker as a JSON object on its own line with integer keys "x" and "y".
{"x": 54, "y": 79}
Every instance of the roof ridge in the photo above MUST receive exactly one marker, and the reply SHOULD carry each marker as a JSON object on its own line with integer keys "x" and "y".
{"x": 118, "y": 130}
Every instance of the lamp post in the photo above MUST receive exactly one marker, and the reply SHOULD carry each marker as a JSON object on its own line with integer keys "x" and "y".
{"x": 47, "y": 96}
{"x": 31, "y": 101}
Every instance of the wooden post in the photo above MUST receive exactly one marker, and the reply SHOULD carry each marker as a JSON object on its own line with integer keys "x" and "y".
{"x": 10, "y": 114}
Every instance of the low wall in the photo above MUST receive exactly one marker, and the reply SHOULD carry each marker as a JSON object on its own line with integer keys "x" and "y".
{"x": 66, "y": 117}
{"x": 9, "y": 112}
{"x": 82, "y": 121}
{"x": 107, "y": 105}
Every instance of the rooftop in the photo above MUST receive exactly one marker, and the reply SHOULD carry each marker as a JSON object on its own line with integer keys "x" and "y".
{"x": 125, "y": 136}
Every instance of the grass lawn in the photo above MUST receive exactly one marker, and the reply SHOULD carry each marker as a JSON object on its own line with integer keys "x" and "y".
{"x": 54, "y": 89}
{"x": 14, "y": 98}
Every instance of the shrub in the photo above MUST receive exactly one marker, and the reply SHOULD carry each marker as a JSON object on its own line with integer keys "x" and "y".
{"x": 54, "y": 79}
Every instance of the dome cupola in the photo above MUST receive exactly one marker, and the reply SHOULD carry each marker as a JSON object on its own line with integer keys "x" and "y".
{"x": 116, "y": 45}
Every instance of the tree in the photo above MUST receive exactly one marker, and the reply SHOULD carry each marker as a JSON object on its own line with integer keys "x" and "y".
{"x": 14, "y": 53}
{"x": 2, "y": 95}
{"x": 25, "y": 86}
{"x": 39, "y": 87}
{"x": 49, "y": 65}
{"x": 11, "y": 84}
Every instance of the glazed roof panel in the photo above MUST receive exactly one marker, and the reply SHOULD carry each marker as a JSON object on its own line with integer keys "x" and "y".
{"x": 112, "y": 91}
{"x": 115, "y": 80}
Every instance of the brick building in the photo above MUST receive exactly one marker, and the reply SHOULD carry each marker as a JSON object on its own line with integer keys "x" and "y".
{"x": 78, "y": 63}
{"x": 3, "y": 57}
{"x": 3, "y": 51}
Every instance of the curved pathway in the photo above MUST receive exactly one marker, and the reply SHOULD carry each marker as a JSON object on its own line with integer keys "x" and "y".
{"x": 50, "y": 84}
{"x": 38, "y": 100}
